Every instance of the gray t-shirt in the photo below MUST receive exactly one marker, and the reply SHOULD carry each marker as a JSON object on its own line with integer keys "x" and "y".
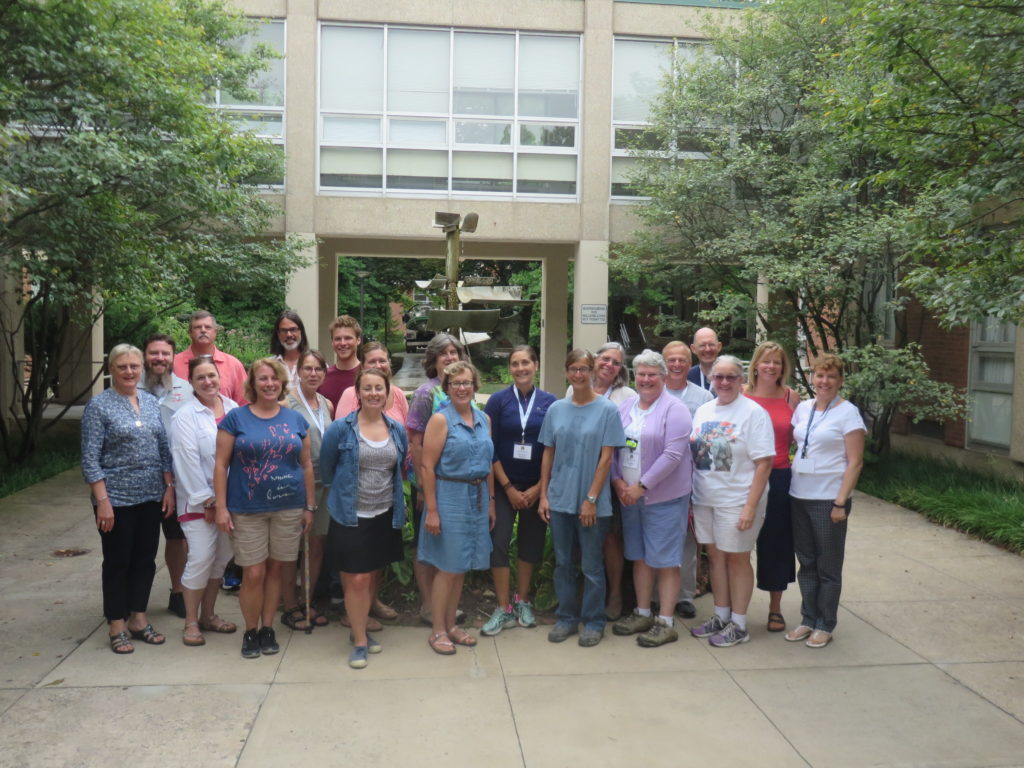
{"x": 577, "y": 433}
{"x": 376, "y": 476}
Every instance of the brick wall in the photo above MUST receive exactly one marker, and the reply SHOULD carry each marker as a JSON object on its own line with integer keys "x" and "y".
{"x": 947, "y": 353}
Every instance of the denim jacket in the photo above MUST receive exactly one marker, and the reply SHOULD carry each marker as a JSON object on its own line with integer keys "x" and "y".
{"x": 339, "y": 468}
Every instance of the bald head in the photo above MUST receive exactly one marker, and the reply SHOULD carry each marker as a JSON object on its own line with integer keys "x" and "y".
{"x": 706, "y": 347}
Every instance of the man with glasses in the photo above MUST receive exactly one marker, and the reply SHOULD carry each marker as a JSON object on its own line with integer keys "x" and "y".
{"x": 288, "y": 343}
{"x": 706, "y": 347}
{"x": 202, "y": 329}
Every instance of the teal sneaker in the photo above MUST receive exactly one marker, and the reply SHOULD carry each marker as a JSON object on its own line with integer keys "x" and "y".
{"x": 500, "y": 619}
{"x": 524, "y": 614}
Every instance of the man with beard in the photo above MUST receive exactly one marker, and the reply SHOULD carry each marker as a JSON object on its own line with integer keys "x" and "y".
{"x": 288, "y": 343}
{"x": 160, "y": 381}
{"x": 202, "y": 329}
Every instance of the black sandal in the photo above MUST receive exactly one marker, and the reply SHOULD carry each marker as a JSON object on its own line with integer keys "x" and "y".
{"x": 319, "y": 620}
{"x": 148, "y": 635}
{"x": 121, "y": 644}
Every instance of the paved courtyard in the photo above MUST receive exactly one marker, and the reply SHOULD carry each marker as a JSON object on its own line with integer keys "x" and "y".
{"x": 927, "y": 669}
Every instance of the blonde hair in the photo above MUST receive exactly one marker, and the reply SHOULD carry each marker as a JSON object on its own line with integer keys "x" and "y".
{"x": 764, "y": 349}
{"x": 280, "y": 372}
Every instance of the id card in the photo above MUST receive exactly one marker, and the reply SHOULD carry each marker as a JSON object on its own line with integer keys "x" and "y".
{"x": 522, "y": 451}
{"x": 630, "y": 459}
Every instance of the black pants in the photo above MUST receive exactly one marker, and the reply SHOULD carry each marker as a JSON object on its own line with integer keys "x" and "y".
{"x": 129, "y": 559}
{"x": 775, "y": 561}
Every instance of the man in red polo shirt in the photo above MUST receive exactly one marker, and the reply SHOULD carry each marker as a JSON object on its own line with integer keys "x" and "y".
{"x": 202, "y": 329}
{"x": 346, "y": 336}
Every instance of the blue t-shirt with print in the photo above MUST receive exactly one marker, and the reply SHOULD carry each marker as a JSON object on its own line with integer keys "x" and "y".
{"x": 265, "y": 474}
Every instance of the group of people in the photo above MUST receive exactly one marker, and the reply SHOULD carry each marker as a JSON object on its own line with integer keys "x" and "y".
{"x": 296, "y": 455}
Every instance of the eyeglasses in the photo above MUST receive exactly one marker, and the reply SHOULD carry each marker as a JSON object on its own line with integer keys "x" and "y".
{"x": 720, "y": 377}
{"x": 575, "y": 371}
{"x": 288, "y": 331}
{"x": 460, "y": 385}
{"x": 311, "y": 369}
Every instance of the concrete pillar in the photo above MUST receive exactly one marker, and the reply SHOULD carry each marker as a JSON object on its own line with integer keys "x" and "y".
{"x": 554, "y": 302}
{"x": 762, "y": 295}
{"x": 327, "y": 300}
{"x": 590, "y": 295}
{"x": 302, "y": 295}
{"x": 1017, "y": 427}
{"x": 82, "y": 357}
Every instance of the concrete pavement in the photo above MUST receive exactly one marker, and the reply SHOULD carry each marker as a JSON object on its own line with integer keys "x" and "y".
{"x": 927, "y": 669}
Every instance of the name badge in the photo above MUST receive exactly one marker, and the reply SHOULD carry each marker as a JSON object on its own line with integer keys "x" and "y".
{"x": 522, "y": 451}
{"x": 630, "y": 459}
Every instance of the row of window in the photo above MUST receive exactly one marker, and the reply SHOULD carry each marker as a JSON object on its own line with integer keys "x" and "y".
{"x": 454, "y": 111}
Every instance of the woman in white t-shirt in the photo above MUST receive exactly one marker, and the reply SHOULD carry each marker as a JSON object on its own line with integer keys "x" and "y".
{"x": 829, "y": 435}
{"x": 733, "y": 445}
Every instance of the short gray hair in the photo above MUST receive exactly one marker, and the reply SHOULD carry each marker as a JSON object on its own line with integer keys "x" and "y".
{"x": 120, "y": 350}
{"x": 651, "y": 359}
{"x": 729, "y": 360}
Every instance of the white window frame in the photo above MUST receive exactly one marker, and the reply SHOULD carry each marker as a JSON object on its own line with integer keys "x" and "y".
{"x": 617, "y": 152}
{"x": 979, "y": 348}
{"x": 514, "y": 148}
{"x": 255, "y": 111}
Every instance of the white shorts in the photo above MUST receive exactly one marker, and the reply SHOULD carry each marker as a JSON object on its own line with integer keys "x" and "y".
{"x": 717, "y": 525}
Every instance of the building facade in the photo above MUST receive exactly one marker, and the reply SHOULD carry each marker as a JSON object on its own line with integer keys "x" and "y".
{"x": 518, "y": 110}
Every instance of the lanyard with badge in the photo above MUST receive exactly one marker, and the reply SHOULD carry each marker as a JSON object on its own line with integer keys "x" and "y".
{"x": 523, "y": 450}
{"x": 811, "y": 424}
{"x": 637, "y": 417}
{"x": 318, "y": 417}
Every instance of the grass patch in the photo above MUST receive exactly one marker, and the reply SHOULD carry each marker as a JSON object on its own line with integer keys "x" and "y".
{"x": 984, "y": 506}
{"x": 58, "y": 451}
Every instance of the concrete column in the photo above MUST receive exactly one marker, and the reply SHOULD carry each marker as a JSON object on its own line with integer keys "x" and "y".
{"x": 10, "y": 370}
{"x": 327, "y": 301}
{"x": 590, "y": 295}
{"x": 1017, "y": 427}
{"x": 762, "y": 295}
{"x": 81, "y": 357}
{"x": 302, "y": 295}
{"x": 554, "y": 302}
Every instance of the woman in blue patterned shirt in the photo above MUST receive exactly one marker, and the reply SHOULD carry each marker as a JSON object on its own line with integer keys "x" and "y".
{"x": 127, "y": 462}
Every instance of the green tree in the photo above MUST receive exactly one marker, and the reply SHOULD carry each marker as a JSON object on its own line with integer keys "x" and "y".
{"x": 119, "y": 183}
{"x": 946, "y": 106}
{"x": 750, "y": 186}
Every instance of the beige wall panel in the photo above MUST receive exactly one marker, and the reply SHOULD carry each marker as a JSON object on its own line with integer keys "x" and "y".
{"x": 404, "y": 217}
{"x": 622, "y": 222}
{"x": 303, "y": 293}
{"x": 276, "y": 222}
{"x": 590, "y": 286}
{"x": 263, "y": 8}
{"x": 595, "y": 147}
{"x": 327, "y": 301}
{"x": 554, "y": 330}
{"x": 665, "y": 20}
{"x": 550, "y": 15}
{"x": 301, "y": 121}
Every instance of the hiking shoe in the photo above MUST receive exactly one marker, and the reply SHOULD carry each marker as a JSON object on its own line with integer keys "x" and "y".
{"x": 500, "y": 619}
{"x": 658, "y": 634}
{"x": 560, "y": 632}
{"x": 632, "y": 624}
{"x": 712, "y": 626}
{"x": 731, "y": 635}
{"x": 268, "y": 643}
{"x": 250, "y": 644}
{"x": 590, "y": 637}
{"x": 357, "y": 659}
{"x": 524, "y": 614}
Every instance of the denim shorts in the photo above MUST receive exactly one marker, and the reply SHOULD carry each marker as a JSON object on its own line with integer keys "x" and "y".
{"x": 654, "y": 532}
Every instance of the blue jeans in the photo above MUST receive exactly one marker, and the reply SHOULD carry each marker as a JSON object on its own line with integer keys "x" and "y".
{"x": 566, "y": 535}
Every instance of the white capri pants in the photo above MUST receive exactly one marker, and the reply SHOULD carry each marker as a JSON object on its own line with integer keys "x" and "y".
{"x": 209, "y": 550}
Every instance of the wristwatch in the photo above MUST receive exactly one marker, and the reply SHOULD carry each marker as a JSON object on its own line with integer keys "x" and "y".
{"x": 592, "y": 499}
{"x": 312, "y": 509}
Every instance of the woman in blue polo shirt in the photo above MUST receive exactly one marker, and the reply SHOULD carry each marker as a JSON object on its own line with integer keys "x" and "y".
{"x": 516, "y": 415}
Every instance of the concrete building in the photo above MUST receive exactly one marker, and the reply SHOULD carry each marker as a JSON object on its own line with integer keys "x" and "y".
{"x": 515, "y": 109}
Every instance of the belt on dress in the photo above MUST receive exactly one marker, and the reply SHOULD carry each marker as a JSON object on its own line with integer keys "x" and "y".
{"x": 466, "y": 480}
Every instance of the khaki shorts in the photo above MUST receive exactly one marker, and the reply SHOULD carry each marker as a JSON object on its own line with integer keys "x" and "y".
{"x": 260, "y": 535}
{"x": 717, "y": 525}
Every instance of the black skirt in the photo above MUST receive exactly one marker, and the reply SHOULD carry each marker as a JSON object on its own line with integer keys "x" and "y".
{"x": 369, "y": 546}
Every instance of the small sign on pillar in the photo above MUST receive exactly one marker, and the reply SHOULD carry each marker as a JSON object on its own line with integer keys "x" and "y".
{"x": 594, "y": 314}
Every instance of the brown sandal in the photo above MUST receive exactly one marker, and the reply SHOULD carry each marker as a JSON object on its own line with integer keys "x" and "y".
{"x": 776, "y": 622}
{"x": 218, "y": 625}
{"x": 192, "y": 639}
{"x": 441, "y": 643}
